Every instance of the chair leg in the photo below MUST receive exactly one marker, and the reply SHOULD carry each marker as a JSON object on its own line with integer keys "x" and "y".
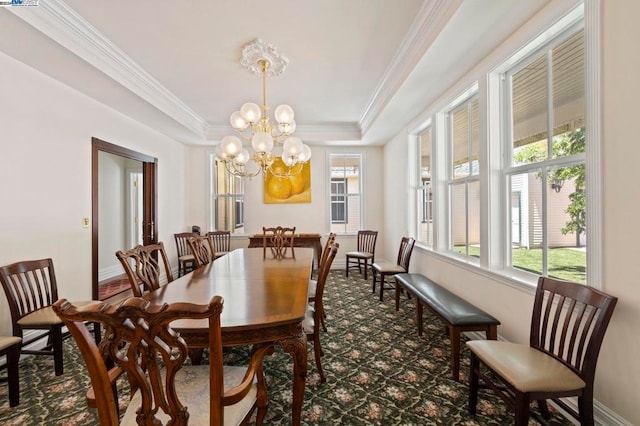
{"x": 544, "y": 408}
{"x": 13, "y": 374}
{"x": 522, "y": 409}
{"x": 383, "y": 279}
{"x": 473, "y": 384}
{"x": 56, "y": 340}
{"x": 585, "y": 409}
{"x": 366, "y": 266}
{"x": 374, "y": 281}
{"x": 317, "y": 350}
{"x": 347, "y": 268}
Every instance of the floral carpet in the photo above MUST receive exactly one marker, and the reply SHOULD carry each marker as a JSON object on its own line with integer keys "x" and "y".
{"x": 379, "y": 372}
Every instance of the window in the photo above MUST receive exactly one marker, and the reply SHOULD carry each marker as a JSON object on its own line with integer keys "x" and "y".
{"x": 344, "y": 195}
{"x": 464, "y": 178}
{"x": 546, "y": 171}
{"x": 425, "y": 192}
{"x": 227, "y": 200}
{"x": 338, "y": 202}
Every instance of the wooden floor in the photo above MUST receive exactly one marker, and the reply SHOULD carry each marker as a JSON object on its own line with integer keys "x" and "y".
{"x": 113, "y": 286}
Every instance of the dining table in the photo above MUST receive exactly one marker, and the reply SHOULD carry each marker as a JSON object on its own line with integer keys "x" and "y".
{"x": 265, "y": 300}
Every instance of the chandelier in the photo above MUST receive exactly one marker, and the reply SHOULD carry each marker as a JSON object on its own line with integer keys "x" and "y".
{"x": 253, "y": 127}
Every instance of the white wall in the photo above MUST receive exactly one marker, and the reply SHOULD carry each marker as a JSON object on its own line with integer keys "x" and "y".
{"x": 45, "y": 175}
{"x": 306, "y": 217}
{"x": 618, "y": 372}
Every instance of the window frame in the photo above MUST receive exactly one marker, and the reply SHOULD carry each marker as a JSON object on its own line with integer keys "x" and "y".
{"x": 236, "y": 196}
{"x": 349, "y": 193}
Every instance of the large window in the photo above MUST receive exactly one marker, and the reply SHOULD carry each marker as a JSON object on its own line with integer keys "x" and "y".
{"x": 501, "y": 178}
{"x": 464, "y": 178}
{"x": 227, "y": 200}
{"x": 425, "y": 190}
{"x": 344, "y": 195}
{"x": 546, "y": 174}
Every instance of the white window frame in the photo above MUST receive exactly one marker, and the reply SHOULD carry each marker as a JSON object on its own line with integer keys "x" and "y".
{"x": 493, "y": 190}
{"x": 238, "y": 197}
{"x": 359, "y": 194}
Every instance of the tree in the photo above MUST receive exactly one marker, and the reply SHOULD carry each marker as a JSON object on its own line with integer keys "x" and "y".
{"x": 564, "y": 145}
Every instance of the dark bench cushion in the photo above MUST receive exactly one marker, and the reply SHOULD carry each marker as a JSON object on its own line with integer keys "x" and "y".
{"x": 452, "y": 308}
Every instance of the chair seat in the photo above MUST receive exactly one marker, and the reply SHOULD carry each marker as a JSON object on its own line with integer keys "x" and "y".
{"x": 46, "y": 316}
{"x": 186, "y": 258}
{"x": 526, "y": 368}
{"x": 311, "y": 293}
{"x": 360, "y": 254}
{"x": 308, "y": 322}
{"x": 192, "y": 386}
{"x": 8, "y": 341}
{"x": 388, "y": 267}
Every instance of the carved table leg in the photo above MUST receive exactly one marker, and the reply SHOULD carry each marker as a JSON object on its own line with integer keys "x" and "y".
{"x": 297, "y": 347}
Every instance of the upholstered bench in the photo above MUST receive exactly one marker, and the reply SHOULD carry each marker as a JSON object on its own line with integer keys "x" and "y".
{"x": 458, "y": 314}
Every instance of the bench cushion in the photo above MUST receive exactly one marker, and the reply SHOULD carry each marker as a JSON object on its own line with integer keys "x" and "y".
{"x": 452, "y": 308}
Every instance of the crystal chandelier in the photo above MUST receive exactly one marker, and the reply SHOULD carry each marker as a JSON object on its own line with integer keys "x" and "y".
{"x": 252, "y": 125}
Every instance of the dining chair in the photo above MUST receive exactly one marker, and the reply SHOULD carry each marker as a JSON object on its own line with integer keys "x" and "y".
{"x": 202, "y": 250}
{"x": 313, "y": 316}
{"x": 143, "y": 346}
{"x": 314, "y": 283}
{"x": 221, "y": 242}
{"x": 10, "y": 348}
{"x": 186, "y": 262}
{"x": 365, "y": 253}
{"x": 279, "y": 240}
{"x": 568, "y": 324}
{"x": 31, "y": 289}
{"x": 142, "y": 266}
{"x": 387, "y": 269}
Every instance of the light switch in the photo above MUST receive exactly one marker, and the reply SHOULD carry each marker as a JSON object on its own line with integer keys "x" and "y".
{"x": 85, "y": 222}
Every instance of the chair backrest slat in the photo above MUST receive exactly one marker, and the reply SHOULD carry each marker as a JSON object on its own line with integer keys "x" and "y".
{"x": 221, "y": 240}
{"x": 142, "y": 265}
{"x": 404, "y": 254}
{"x": 367, "y": 241}
{"x": 202, "y": 250}
{"x": 29, "y": 285}
{"x": 182, "y": 242}
{"x": 581, "y": 313}
{"x": 279, "y": 240}
{"x": 321, "y": 282}
{"x": 138, "y": 334}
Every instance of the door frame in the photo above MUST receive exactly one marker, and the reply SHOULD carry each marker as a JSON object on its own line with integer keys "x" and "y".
{"x": 149, "y": 198}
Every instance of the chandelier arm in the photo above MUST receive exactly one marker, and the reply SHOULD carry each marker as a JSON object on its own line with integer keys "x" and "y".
{"x": 234, "y": 170}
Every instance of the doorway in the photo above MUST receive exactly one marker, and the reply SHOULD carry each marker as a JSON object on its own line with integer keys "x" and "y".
{"x": 123, "y": 203}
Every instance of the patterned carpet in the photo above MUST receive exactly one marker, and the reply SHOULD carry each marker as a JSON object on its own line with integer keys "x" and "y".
{"x": 379, "y": 372}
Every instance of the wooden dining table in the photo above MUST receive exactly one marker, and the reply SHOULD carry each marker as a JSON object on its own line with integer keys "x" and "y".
{"x": 265, "y": 301}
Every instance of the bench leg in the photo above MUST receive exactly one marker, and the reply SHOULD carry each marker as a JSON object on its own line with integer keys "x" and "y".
{"x": 492, "y": 332}
{"x": 454, "y": 337}
{"x": 419, "y": 316}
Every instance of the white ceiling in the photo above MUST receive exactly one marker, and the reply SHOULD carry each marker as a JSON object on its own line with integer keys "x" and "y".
{"x": 359, "y": 70}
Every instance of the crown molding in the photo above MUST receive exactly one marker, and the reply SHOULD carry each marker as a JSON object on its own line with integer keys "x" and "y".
{"x": 431, "y": 18}
{"x": 63, "y": 25}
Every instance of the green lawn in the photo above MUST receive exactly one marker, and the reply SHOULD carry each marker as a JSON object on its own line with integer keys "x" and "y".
{"x": 565, "y": 264}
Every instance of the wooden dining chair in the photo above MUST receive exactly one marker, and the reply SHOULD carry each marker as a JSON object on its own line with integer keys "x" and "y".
{"x": 568, "y": 324}
{"x": 186, "y": 262}
{"x": 313, "y": 317}
{"x": 278, "y": 240}
{"x": 142, "y": 266}
{"x": 10, "y": 348}
{"x": 385, "y": 268}
{"x": 314, "y": 283}
{"x": 365, "y": 253}
{"x": 141, "y": 344}
{"x": 202, "y": 250}
{"x": 31, "y": 289}
{"x": 221, "y": 242}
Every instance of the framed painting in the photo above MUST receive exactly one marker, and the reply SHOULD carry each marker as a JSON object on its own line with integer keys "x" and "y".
{"x": 288, "y": 189}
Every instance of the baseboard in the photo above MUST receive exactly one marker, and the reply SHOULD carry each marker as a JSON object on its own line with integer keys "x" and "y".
{"x": 110, "y": 272}
{"x": 602, "y": 415}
